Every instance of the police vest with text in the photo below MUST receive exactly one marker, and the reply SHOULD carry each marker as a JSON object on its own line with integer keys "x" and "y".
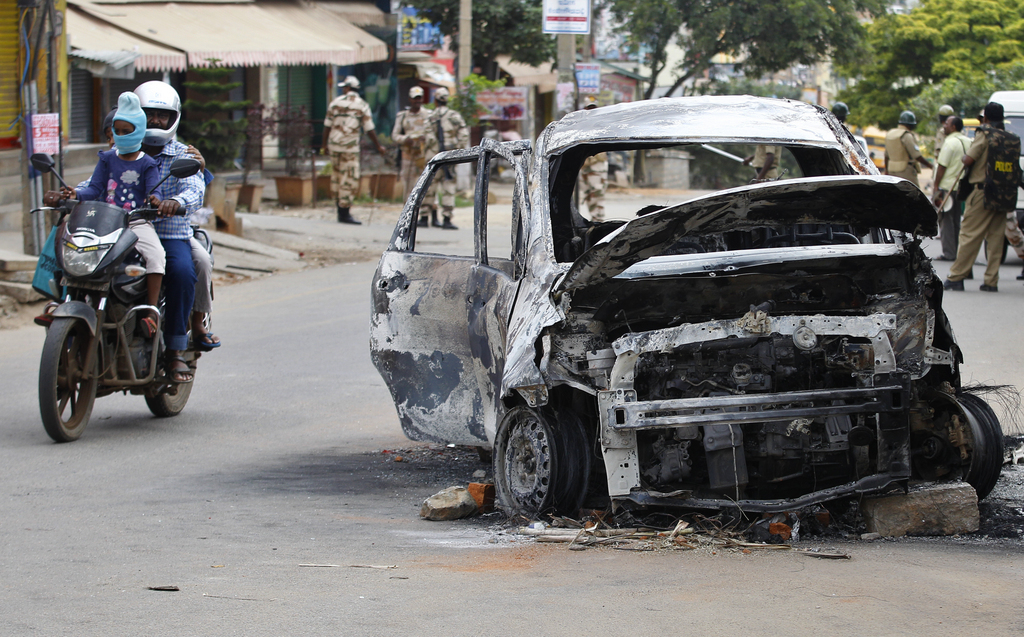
{"x": 1003, "y": 172}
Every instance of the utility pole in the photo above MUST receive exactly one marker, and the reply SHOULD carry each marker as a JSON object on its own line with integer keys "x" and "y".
{"x": 465, "y": 40}
{"x": 566, "y": 61}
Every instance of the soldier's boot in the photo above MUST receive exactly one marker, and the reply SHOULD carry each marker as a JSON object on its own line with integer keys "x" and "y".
{"x": 433, "y": 219}
{"x": 424, "y": 221}
{"x": 447, "y": 225}
{"x": 344, "y": 216}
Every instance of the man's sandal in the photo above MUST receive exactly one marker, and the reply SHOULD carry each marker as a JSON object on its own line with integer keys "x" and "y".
{"x": 205, "y": 342}
{"x": 177, "y": 366}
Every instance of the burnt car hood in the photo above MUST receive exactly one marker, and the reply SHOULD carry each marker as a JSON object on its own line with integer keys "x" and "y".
{"x": 862, "y": 200}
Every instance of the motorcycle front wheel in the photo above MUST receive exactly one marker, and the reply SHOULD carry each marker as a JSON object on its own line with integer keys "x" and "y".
{"x": 67, "y": 390}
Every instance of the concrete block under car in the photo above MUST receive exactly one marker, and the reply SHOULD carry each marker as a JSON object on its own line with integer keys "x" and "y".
{"x": 932, "y": 509}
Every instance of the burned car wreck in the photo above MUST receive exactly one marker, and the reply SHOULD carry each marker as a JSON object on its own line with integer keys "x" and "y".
{"x": 764, "y": 346}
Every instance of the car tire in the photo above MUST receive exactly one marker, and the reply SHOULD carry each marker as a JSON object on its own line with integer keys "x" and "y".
{"x": 541, "y": 463}
{"x": 987, "y": 453}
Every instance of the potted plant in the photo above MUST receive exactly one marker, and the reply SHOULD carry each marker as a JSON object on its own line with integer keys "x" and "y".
{"x": 294, "y": 131}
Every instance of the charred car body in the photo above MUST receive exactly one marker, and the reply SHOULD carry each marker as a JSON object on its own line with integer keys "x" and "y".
{"x": 766, "y": 346}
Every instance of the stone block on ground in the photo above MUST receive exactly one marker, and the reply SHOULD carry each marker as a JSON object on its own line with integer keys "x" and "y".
{"x": 483, "y": 495}
{"x": 931, "y": 509}
{"x": 22, "y": 292}
{"x": 451, "y": 504}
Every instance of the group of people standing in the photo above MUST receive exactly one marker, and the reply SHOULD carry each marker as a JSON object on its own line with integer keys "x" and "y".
{"x": 975, "y": 203}
{"x": 420, "y": 134}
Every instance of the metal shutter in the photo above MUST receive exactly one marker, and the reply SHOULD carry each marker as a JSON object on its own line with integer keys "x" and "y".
{"x": 9, "y": 73}
{"x": 81, "y": 106}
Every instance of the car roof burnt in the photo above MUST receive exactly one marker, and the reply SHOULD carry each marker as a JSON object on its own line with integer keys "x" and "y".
{"x": 723, "y": 118}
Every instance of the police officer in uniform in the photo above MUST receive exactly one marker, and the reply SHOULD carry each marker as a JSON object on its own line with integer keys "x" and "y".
{"x": 446, "y": 130}
{"x": 979, "y": 223}
{"x": 346, "y": 115}
{"x": 945, "y": 111}
{"x": 410, "y": 134}
{"x": 841, "y": 111}
{"x": 902, "y": 155}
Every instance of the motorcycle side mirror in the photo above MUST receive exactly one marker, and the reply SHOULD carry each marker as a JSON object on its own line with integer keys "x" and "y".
{"x": 180, "y": 168}
{"x": 42, "y": 162}
{"x": 185, "y": 167}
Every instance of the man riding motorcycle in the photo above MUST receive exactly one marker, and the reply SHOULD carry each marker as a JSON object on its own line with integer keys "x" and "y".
{"x": 162, "y": 106}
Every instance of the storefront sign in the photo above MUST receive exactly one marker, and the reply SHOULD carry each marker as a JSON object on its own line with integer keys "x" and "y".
{"x": 46, "y": 133}
{"x": 416, "y": 33}
{"x": 507, "y": 103}
{"x": 567, "y": 16}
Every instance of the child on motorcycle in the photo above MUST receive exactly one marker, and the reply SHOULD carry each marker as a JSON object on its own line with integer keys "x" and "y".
{"x": 124, "y": 177}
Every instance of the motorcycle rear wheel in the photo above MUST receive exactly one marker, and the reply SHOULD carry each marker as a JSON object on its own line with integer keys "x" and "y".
{"x": 66, "y": 396}
{"x": 165, "y": 405}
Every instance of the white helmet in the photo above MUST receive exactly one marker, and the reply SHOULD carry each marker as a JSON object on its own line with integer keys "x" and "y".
{"x": 160, "y": 95}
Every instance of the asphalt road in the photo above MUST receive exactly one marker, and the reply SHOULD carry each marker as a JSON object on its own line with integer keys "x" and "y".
{"x": 276, "y": 462}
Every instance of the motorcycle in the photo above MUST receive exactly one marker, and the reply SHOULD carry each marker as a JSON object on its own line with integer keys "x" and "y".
{"x": 97, "y": 344}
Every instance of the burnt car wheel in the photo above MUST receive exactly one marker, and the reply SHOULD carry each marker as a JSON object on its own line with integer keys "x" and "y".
{"x": 540, "y": 463}
{"x": 987, "y": 455}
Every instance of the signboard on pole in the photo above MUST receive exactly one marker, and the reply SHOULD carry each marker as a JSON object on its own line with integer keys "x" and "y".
{"x": 46, "y": 133}
{"x": 565, "y": 96}
{"x": 567, "y": 16}
{"x": 588, "y": 78}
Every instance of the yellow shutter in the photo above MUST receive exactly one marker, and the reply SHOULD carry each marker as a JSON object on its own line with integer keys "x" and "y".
{"x": 9, "y": 73}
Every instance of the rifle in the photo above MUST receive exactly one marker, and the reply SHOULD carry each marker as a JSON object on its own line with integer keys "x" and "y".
{"x": 440, "y": 145}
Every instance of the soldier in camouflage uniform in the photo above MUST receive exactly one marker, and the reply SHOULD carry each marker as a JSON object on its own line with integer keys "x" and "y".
{"x": 594, "y": 177}
{"x": 453, "y": 134}
{"x": 345, "y": 116}
{"x": 410, "y": 134}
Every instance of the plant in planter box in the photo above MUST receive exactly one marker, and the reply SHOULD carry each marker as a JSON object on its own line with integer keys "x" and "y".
{"x": 294, "y": 131}
{"x": 258, "y": 125}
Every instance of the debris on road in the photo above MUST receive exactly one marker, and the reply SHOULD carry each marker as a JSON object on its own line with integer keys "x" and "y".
{"x": 483, "y": 495}
{"x": 452, "y": 503}
{"x": 163, "y": 588}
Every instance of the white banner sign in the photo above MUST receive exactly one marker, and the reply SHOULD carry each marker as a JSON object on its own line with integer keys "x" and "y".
{"x": 46, "y": 133}
{"x": 567, "y": 16}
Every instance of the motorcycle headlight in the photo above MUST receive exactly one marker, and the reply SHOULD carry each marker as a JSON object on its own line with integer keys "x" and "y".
{"x": 82, "y": 261}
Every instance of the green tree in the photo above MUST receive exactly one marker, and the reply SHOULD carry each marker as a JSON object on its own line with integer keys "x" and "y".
{"x": 500, "y": 27}
{"x": 943, "y": 52}
{"x": 207, "y": 123}
{"x": 766, "y": 36}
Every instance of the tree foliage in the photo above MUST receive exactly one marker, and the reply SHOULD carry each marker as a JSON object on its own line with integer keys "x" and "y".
{"x": 766, "y": 36}
{"x": 943, "y": 52}
{"x": 500, "y": 27}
